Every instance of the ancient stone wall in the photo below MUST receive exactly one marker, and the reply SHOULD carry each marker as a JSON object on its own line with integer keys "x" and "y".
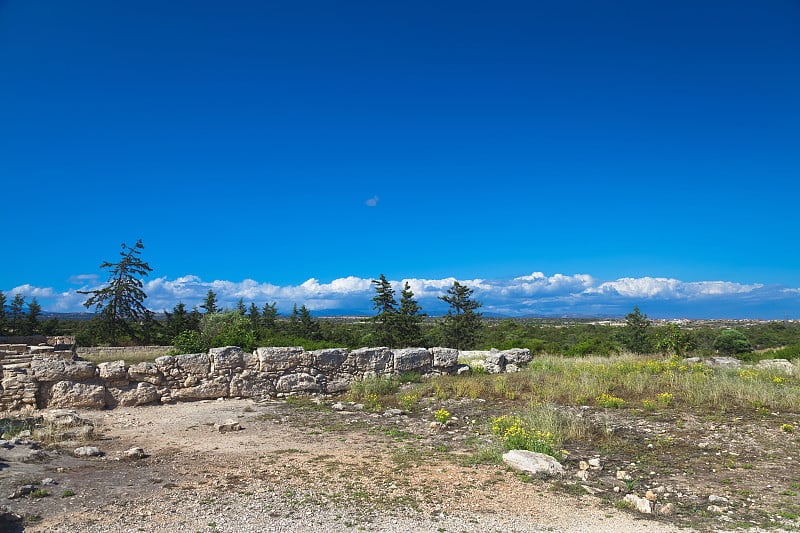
{"x": 50, "y": 380}
{"x": 17, "y": 388}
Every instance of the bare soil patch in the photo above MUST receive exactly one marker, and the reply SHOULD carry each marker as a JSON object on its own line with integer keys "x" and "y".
{"x": 299, "y": 466}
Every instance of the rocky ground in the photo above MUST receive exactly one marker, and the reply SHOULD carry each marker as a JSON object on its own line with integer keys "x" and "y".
{"x": 306, "y": 466}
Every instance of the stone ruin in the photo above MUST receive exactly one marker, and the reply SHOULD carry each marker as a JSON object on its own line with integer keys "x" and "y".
{"x": 48, "y": 375}
{"x": 18, "y": 389}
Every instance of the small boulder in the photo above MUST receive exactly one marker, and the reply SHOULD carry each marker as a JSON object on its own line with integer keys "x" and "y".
{"x": 533, "y": 463}
{"x": 134, "y": 453}
{"x": 228, "y": 426}
{"x": 87, "y": 451}
{"x": 642, "y": 505}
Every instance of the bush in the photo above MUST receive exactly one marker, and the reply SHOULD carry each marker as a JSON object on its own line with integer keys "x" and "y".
{"x": 189, "y": 341}
{"x": 731, "y": 341}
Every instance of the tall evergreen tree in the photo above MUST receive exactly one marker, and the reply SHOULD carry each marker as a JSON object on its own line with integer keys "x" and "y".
{"x": 462, "y": 324}
{"x": 385, "y": 321}
{"x": 210, "y": 303}
{"x": 294, "y": 321}
{"x": 269, "y": 316}
{"x": 178, "y": 321}
{"x": 240, "y": 308}
{"x": 254, "y": 316}
{"x": 122, "y": 298}
{"x": 409, "y": 319}
{"x": 309, "y": 328}
{"x": 17, "y": 309}
{"x": 3, "y": 319}
{"x": 636, "y": 332}
{"x": 32, "y": 320}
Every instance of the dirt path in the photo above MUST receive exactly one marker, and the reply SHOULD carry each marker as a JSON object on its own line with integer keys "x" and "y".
{"x": 290, "y": 469}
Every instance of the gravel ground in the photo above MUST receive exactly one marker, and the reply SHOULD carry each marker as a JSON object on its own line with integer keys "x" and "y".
{"x": 289, "y": 470}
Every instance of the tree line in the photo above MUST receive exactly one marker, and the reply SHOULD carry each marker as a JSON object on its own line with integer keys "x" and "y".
{"x": 122, "y": 318}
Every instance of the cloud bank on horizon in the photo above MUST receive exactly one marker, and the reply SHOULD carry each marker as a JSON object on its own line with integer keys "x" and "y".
{"x": 536, "y": 294}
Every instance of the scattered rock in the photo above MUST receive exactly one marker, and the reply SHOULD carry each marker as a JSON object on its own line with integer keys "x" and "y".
{"x": 134, "y": 453}
{"x": 338, "y": 406}
{"x": 583, "y": 465}
{"x": 24, "y": 490}
{"x": 642, "y": 505}
{"x": 594, "y": 463}
{"x": 715, "y": 509}
{"x": 393, "y": 412}
{"x": 650, "y": 495}
{"x": 583, "y": 475}
{"x": 49, "y": 481}
{"x": 87, "y": 451}
{"x": 623, "y": 475}
{"x": 533, "y": 463}
{"x": 780, "y": 365}
{"x": 228, "y": 426}
{"x": 667, "y": 510}
{"x": 717, "y": 499}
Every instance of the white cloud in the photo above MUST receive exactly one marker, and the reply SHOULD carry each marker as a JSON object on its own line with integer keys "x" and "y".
{"x": 648, "y": 287}
{"x": 532, "y": 294}
{"x": 372, "y": 202}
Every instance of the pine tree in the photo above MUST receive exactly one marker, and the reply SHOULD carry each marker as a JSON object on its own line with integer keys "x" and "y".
{"x": 309, "y": 328}
{"x": 409, "y": 319}
{"x": 122, "y": 298}
{"x": 462, "y": 324}
{"x": 240, "y": 308}
{"x": 269, "y": 315}
{"x": 254, "y": 316}
{"x": 635, "y": 333}
{"x": 3, "y": 319}
{"x": 386, "y": 320}
{"x": 32, "y": 320}
{"x": 17, "y": 313}
{"x": 210, "y": 303}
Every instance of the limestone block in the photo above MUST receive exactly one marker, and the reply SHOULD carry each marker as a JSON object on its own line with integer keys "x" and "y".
{"x": 252, "y": 385}
{"x": 299, "y": 382}
{"x": 517, "y": 356}
{"x": 216, "y": 388}
{"x": 533, "y": 463}
{"x": 77, "y": 395}
{"x": 329, "y": 360}
{"x": 370, "y": 360}
{"x": 444, "y": 357}
{"x": 40, "y": 349}
{"x": 165, "y": 361}
{"x": 49, "y": 369}
{"x": 226, "y": 358}
{"x": 412, "y": 359}
{"x": 495, "y": 362}
{"x": 113, "y": 371}
{"x": 779, "y": 365}
{"x": 145, "y": 371}
{"x": 196, "y": 364}
{"x": 282, "y": 358}
{"x": 724, "y": 362}
{"x": 142, "y": 394}
{"x": 251, "y": 361}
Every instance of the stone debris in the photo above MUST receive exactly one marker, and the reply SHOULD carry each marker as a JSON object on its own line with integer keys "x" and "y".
{"x": 230, "y": 425}
{"x": 643, "y": 505}
{"x": 134, "y": 453}
{"x": 87, "y": 451}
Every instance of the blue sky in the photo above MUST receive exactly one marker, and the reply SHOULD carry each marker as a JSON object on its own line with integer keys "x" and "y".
{"x": 626, "y": 153}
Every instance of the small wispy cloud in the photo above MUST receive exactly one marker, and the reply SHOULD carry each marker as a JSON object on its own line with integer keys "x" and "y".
{"x": 533, "y": 294}
{"x": 372, "y": 202}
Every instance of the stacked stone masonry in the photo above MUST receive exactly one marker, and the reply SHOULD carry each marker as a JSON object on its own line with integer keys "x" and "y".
{"x": 51, "y": 380}
{"x": 18, "y": 389}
